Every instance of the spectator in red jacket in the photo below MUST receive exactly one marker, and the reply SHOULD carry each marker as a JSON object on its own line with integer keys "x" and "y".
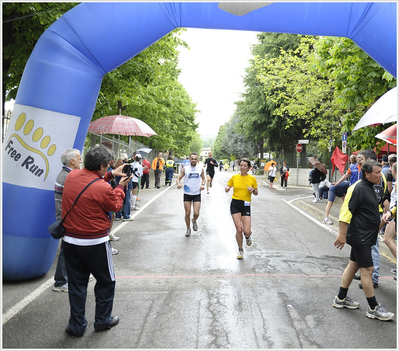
{"x": 145, "y": 178}
{"x": 86, "y": 242}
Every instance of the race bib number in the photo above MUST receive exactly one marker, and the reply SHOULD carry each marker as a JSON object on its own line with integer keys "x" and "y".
{"x": 247, "y": 203}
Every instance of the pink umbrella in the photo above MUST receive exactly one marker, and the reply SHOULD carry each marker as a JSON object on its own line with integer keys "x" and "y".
{"x": 389, "y": 135}
{"x": 122, "y": 125}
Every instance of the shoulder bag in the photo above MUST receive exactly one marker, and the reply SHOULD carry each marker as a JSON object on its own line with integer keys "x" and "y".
{"x": 57, "y": 229}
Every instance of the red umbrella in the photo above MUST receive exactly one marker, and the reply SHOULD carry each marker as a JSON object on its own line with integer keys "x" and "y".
{"x": 122, "y": 125}
{"x": 315, "y": 162}
{"x": 389, "y": 135}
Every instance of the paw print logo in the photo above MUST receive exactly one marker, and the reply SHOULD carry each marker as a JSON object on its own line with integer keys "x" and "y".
{"x": 40, "y": 145}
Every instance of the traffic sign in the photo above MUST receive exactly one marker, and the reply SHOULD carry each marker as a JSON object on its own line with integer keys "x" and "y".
{"x": 298, "y": 147}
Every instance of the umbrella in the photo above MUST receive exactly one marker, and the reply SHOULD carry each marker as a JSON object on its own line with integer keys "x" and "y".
{"x": 122, "y": 125}
{"x": 384, "y": 110}
{"x": 388, "y": 135}
{"x": 268, "y": 165}
{"x": 144, "y": 151}
{"x": 315, "y": 162}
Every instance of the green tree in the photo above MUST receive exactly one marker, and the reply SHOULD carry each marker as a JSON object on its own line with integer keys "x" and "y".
{"x": 23, "y": 24}
{"x": 358, "y": 82}
{"x": 149, "y": 90}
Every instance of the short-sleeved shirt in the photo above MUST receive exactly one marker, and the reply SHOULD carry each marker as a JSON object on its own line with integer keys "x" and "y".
{"x": 240, "y": 186}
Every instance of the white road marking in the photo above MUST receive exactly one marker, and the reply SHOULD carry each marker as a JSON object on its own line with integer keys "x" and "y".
{"x": 31, "y": 297}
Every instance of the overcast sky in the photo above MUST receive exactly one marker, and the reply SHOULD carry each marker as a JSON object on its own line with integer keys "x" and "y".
{"x": 213, "y": 71}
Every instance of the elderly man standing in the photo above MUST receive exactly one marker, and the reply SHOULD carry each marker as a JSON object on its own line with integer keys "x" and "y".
{"x": 359, "y": 220}
{"x": 157, "y": 166}
{"x": 86, "y": 242}
{"x": 71, "y": 159}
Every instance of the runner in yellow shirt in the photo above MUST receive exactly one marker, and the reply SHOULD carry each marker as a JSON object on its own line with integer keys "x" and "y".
{"x": 244, "y": 186}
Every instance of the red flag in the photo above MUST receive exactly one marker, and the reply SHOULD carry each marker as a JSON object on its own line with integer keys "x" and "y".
{"x": 338, "y": 160}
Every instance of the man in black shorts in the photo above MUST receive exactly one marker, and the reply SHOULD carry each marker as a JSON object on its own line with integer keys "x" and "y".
{"x": 210, "y": 164}
{"x": 194, "y": 183}
{"x": 359, "y": 221}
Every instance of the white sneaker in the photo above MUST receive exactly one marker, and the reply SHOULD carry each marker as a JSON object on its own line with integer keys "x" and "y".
{"x": 115, "y": 251}
{"x": 315, "y": 200}
{"x": 240, "y": 254}
{"x": 195, "y": 226}
{"x": 380, "y": 313}
{"x": 135, "y": 208}
{"x": 188, "y": 232}
{"x": 63, "y": 288}
{"x": 112, "y": 237}
{"x": 248, "y": 240}
{"x": 327, "y": 221}
{"x": 91, "y": 277}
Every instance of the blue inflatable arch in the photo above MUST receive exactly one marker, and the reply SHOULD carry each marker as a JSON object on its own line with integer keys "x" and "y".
{"x": 62, "y": 79}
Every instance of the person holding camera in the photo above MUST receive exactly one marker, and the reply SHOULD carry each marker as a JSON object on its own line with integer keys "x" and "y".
{"x": 87, "y": 248}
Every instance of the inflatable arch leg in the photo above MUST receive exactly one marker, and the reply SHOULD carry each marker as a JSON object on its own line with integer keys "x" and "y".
{"x": 62, "y": 79}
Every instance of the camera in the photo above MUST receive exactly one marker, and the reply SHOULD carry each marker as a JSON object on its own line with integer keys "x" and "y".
{"x": 128, "y": 170}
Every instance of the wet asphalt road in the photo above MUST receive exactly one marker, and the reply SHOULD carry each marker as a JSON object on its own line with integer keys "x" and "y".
{"x": 192, "y": 293}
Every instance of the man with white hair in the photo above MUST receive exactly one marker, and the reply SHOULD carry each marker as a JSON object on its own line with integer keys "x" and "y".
{"x": 71, "y": 159}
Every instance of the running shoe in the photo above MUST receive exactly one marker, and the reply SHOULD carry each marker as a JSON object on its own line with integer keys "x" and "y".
{"x": 327, "y": 221}
{"x": 112, "y": 237}
{"x": 315, "y": 200}
{"x": 380, "y": 313}
{"x": 357, "y": 275}
{"x": 207, "y": 192}
{"x": 128, "y": 219}
{"x": 135, "y": 208}
{"x": 195, "y": 226}
{"x": 118, "y": 218}
{"x": 248, "y": 240}
{"x": 188, "y": 232}
{"x": 240, "y": 254}
{"x": 346, "y": 302}
{"x": 115, "y": 251}
{"x": 63, "y": 288}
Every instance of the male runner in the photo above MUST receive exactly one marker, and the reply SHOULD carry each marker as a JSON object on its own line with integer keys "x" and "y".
{"x": 194, "y": 183}
{"x": 210, "y": 164}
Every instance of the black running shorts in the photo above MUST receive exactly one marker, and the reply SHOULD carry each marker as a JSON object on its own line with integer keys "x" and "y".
{"x": 192, "y": 198}
{"x": 238, "y": 206}
{"x": 362, "y": 255}
{"x": 211, "y": 173}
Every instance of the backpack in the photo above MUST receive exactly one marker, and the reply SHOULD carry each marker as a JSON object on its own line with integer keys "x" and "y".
{"x": 323, "y": 176}
{"x": 311, "y": 176}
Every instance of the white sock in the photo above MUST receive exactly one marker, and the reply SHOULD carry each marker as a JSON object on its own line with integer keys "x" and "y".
{"x": 134, "y": 197}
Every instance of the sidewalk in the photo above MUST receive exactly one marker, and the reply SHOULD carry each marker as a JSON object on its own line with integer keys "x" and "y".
{"x": 316, "y": 210}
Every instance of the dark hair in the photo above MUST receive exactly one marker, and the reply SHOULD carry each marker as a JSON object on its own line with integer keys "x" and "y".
{"x": 392, "y": 160}
{"x": 107, "y": 144}
{"x": 194, "y": 153}
{"x": 369, "y": 154}
{"x": 247, "y": 161}
{"x": 368, "y": 167}
{"x": 98, "y": 156}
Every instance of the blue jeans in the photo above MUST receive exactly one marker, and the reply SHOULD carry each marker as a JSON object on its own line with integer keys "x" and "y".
{"x": 126, "y": 205}
{"x": 375, "y": 254}
{"x": 60, "y": 276}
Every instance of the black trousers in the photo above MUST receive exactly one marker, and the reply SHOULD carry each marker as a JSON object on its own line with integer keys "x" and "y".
{"x": 80, "y": 261}
{"x": 145, "y": 181}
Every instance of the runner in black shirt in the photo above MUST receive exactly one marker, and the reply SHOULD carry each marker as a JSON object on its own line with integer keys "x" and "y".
{"x": 210, "y": 164}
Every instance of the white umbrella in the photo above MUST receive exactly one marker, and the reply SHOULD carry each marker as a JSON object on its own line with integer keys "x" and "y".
{"x": 144, "y": 151}
{"x": 384, "y": 110}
